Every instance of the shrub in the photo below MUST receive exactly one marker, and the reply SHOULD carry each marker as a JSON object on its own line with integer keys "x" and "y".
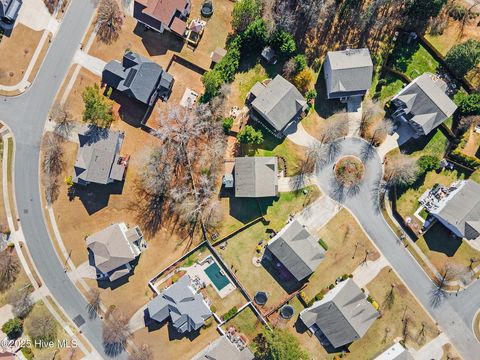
{"x": 370, "y": 299}
{"x": 428, "y": 163}
{"x": 227, "y": 124}
{"x": 212, "y": 81}
{"x": 254, "y": 38}
{"x": 331, "y": 286}
{"x": 13, "y": 328}
{"x": 245, "y": 12}
{"x": 208, "y": 323}
{"x": 27, "y": 352}
{"x": 303, "y": 80}
{"x": 283, "y": 43}
{"x": 300, "y": 62}
{"x": 213, "y": 308}
{"x": 228, "y": 66}
{"x": 250, "y": 136}
{"x": 458, "y": 12}
{"x": 463, "y": 57}
{"x": 311, "y": 94}
{"x": 344, "y": 277}
{"x": 230, "y": 313}
{"x": 323, "y": 244}
{"x": 468, "y": 104}
{"x": 98, "y": 109}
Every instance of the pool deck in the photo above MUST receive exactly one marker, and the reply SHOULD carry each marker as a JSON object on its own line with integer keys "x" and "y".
{"x": 197, "y": 270}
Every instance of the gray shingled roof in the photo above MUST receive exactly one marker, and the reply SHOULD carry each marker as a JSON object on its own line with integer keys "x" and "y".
{"x": 462, "y": 210}
{"x": 110, "y": 248}
{"x": 425, "y": 102}
{"x": 256, "y": 177}
{"x": 343, "y": 315}
{"x": 96, "y": 155}
{"x": 187, "y": 309}
{"x": 297, "y": 250}
{"x": 350, "y": 72}
{"x": 279, "y": 103}
{"x": 223, "y": 349}
{"x": 137, "y": 77}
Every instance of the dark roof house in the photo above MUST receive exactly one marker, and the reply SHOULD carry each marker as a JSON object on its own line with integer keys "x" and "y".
{"x": 163, "y": 15}
{"x": 343, "y": 315}
{"x": 9, "y": 10}
{"x": 459, "y": 209}
{"x": 114, "y": 248}
{"x": 276, "y": 105}
{"x": 98, "y": 158}
{"x": 186, "y": 308}
{"x": 348, "y": 73}
{"x": 223, "y": 349}
{"x": 256, "y": 177}
{"x": 423, "y": 104}
{"x": 297, "y": 250}
{"x": 138, "y": 78}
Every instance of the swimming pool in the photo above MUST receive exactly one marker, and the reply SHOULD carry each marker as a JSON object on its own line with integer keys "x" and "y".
{"x": 217, "y": 277}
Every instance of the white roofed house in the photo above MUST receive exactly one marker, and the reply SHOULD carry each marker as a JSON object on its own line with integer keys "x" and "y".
{"x": 423, "y": 104}
{"x": 348, "y": 73}
{"x": 114, "y": 249}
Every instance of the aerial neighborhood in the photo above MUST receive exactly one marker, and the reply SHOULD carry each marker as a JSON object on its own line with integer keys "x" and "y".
{"x": 240, "y": 179}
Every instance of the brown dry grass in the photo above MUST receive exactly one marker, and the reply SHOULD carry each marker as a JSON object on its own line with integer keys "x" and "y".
{"x": 20, "y": 281}
{"x": 163, "y": 346}
{"x": 16, "y": 53}
{"x": 341, "y": 255}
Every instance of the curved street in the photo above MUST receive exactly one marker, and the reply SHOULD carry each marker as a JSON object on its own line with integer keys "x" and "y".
{"x": 26, "y": 115}
{"x": 453, "y": 313}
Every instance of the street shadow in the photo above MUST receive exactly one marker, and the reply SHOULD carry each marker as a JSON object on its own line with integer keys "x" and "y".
{"x": 440, "y": 239}
{"x": 95, "y": 197}
{"x": 280, "y": 273}
{"x": 158, "y": 43}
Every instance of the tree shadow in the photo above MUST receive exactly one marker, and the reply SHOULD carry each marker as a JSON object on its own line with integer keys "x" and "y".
{"x": 95, "y": 197}
{"x": 93, "y": 134}
{"x": 436, "y": 295}
{"x": 130, "y": 111}
{"x": 113, "y": 349}
{"x": 158, "y": 43}
{"x": 440, "y": 239}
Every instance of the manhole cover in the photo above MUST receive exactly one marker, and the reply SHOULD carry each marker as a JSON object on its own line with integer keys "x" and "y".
{"x": 25, "y": 211}
{"x": 79, "y": 320}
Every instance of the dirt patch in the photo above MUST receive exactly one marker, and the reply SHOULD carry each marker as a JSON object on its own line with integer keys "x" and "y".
{"x": 16, "y": 53}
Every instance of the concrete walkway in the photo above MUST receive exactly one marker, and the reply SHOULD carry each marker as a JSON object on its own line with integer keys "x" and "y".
{"x": 319, "y": 213}
{"x": 91, "y": 63}
{"x": 354, "y": 112}
{"x": 432, "y": 350}
{"x": 367, "y": 271}
{"x": 137, "y": 321}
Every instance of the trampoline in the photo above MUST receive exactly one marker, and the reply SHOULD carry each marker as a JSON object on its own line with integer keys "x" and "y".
{"x": 287, "y": 311}
{"x": 261, "y": 298}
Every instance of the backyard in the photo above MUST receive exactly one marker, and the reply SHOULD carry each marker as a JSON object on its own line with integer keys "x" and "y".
{"x": 245, "y": 322}
{"x": 240, "y": 211}
{"x": 347, "y": 249}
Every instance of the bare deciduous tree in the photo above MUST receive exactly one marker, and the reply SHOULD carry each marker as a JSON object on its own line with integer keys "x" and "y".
{"x": 400, "y": 170}
{"x": 20, "y": 300}
{"x": 94, "y": 302}
{"x": 63, "y": 120}
{"x": 116, "y": 332}
{"x": 334, "y": 128}
{"x": 109, "y": 21}
{"x": 142, "y": 353}
{"x": 289, "y": 69}
{"x": 407, "y": 324}
{"x": 379, "y": 132}
{"x": 42, "y": 326}
{"x": 9, "y": 268}
{"x": 52, "y": 164}
{"x": 390, "y": 297}
{"x": 371, "y": 112}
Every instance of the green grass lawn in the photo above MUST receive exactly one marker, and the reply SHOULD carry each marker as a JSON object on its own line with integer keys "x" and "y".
{"x": 244, "y": 81}
{"x": 240, "y": 211}
{"x": 391, "y": 88}
{"x": 246, "y": 323}
{"x": 433, "y": 144}
{"x": 412, "y": 59}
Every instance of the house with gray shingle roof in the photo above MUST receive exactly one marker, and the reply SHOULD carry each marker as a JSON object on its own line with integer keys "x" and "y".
{"x": 456, "y": 207}
{"x": 276, "y": 105}
{"x": 256, "y": 176}
{"x": 423, "y": 104}
{"x": 223, "y": 349}
{"x": 98, "y": 158}
{"x": 186, "y": 308}
{"x": 348, "y": 73}
{"x": 9, "y": 10}
{"x": 296, "y": 250}
{"x": 342, "y": 316}
{"x": 139, "y": 78}
{"x": 114, "y": 248}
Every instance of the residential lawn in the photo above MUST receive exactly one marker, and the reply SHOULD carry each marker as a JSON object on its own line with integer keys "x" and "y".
{"x": 165, "y": 343}
{"x": 3, "y": 215}
{"x": 392, "y": 86}
{"x": 313, "y": 124}
{"x": 291, "y": 153}
{"x": 20, "y": 282}
{"x": 247, "y": 323}
{"x": 341, "y": 234}
{"x": 16, "y": 52}
{"x": 244, "y": 81}
{"x": 412, "y": 59}
{"x": 475, "y": 176}
{"x": 434, "y": 144}
{"x": 471, "y": 147}
{"x": 378, "y": 338}
{"x": 240, "y": 211}
{"x": 235, "y": 298}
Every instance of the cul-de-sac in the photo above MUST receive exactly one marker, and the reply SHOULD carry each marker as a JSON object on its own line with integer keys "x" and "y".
{"x": 240, "y": 179}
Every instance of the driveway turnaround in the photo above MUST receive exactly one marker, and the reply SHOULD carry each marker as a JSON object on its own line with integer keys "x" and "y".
{"x": 26, "y": 115}
{"x": 453, "y": 313}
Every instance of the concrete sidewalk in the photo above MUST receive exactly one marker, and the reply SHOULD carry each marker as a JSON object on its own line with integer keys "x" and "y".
{"x": 432, "y": 350}
{"x": 91, "y": 63}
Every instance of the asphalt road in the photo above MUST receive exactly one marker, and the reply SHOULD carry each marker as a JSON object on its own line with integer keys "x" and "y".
{"x": 453, "y": 313}
{"x": 26, "y": 115}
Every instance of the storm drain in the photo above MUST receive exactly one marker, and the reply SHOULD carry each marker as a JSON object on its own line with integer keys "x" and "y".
{"x": 79, "y": 320}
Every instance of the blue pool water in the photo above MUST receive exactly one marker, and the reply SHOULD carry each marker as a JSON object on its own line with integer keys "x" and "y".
{"x": 218, "y": 278}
